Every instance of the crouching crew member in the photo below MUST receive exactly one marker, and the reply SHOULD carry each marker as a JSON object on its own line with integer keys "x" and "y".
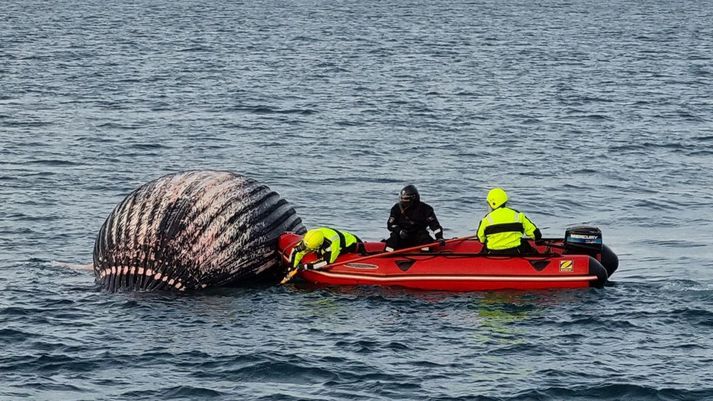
{"x": 501, "y": 230}
{"x": 327, "y": 244}
{"x": 409, "y": 222}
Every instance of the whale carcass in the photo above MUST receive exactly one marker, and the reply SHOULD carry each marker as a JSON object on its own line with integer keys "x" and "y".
{"x": 193, "y": 230}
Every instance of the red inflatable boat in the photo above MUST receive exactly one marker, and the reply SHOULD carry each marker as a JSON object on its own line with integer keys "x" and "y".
{"x": 578, "y": 260}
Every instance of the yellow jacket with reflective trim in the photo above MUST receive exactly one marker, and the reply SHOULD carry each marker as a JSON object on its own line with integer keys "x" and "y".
{"x": 503, "y": 228}
{"x": 331, "y": 247}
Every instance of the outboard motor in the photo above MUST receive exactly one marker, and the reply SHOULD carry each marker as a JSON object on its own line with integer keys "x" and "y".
{"x": 583, "y": 240}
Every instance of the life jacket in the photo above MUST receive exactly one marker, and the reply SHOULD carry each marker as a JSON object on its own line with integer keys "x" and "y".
{"x": 503, "y": 228}
{"x": 335, "y": 241}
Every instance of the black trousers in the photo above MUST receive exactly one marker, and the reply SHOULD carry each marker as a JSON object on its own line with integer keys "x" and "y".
{"x": 358, "y": 247}
{"x": 413, "y": 239}
{"x": 523, "y": 249}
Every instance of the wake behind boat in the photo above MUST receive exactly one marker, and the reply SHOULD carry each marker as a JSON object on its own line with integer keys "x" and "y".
{"x": 578, "y": 260}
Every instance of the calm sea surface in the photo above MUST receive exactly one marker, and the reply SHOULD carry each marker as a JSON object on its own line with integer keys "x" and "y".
{"x": 595, "y": 113}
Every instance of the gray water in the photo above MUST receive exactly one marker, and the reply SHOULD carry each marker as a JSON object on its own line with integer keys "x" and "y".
{"x": 594, "y": 113}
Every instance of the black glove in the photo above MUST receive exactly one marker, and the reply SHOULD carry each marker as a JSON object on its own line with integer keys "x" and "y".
{"x": 441, "y": 242}
{"x": 403, "y": 234}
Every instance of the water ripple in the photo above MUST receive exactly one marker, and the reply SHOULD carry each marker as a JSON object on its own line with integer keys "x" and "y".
{"x": 591, "y": 113}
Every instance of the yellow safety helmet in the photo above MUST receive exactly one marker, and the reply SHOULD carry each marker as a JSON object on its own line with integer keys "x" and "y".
{"x": 313, "y": 239}
{"x": 497, "y": 197}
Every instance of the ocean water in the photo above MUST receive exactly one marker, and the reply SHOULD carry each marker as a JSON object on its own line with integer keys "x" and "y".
{"x": 596, "y": 113}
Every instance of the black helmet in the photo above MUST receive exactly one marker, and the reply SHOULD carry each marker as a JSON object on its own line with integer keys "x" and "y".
{"x": 409, "y": 196}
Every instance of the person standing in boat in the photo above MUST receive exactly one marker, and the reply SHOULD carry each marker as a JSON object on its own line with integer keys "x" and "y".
{"x": 502, "y": 228}
{"x": 410, "y": 220}
{"x": 327, "y": 244}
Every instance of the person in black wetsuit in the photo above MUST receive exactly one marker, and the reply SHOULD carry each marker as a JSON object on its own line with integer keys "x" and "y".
{"x": 410, "y": 220}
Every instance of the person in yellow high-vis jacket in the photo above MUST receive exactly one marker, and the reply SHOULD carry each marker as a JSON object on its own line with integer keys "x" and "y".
{"x": 327, "y": 244}
{"x": 501, "y": 230}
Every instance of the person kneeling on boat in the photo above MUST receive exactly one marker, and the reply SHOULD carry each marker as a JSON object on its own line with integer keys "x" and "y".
{"x": 409, "y": 221}
{"x": 502, "y": 228}
{"x": 327, "y": 244}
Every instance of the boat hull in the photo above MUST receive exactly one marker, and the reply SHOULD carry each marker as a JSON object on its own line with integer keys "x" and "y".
{"x": 458, "y": 266}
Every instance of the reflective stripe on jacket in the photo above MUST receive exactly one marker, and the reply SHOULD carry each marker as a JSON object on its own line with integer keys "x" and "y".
{"x": 503, "y": 228}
